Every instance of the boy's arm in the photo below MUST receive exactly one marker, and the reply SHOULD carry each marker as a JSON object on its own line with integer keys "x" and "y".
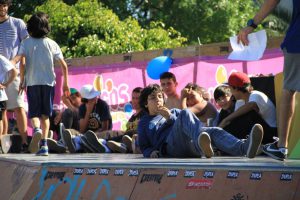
{"x": 67, "y": 102}
{"x": 16, "y": 59}
{"x": 239, "y": 112}
{"x": 183, "y": 97}
{"x": 12, "y": 75}
{"x": 266, "y": 8}
{"x": 64, "y": 69}
{"x": 22, "y": 75}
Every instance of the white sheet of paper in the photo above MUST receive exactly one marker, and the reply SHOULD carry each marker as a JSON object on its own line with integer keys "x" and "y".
{"x": 255, "y": 49}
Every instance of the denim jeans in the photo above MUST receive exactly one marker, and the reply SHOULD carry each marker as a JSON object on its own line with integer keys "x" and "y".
{"x": 183, "y": 138}
{"x": 70, "y": 119}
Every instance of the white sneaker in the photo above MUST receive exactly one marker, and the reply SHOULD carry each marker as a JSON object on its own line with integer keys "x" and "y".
{"x": 204, "y": 142}
{"x": 34, "y": 145}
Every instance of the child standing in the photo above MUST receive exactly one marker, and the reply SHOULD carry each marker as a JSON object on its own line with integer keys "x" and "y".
{"x": 39, "y": 78}
{"x": 5, "y": 68}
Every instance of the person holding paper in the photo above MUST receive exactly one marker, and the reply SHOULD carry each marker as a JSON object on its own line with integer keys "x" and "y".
{"x": 291, "y": 72}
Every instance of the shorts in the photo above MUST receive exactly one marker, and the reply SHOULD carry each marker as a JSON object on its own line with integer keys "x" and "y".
{"x": 40, "y": 100}
{"x": 14, "y": 99}
{"x": 2, "y": 107}
{"x": 291, "y": 71}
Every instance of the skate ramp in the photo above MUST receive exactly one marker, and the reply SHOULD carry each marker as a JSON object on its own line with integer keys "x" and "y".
{"x": 122, "y": 176}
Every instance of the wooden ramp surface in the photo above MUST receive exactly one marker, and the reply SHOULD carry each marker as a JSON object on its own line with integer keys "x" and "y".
{"x": 128, "y": 176}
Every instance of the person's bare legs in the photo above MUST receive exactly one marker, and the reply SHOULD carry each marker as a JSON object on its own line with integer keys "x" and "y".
{"x": 286, "y": 112}
{"x": 45, "y": 122}
{"x": 4, "y": 123}
{"x": 1, "y": 128}
{"x": 35, "y": 122}
{"x": 21, "y": 123}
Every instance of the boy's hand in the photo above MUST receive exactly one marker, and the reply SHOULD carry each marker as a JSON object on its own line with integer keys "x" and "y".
{"x": 90, "y": 105}
{"x": 243, "y": 35}
{"x": 66, "y": 90}
{"x": 164, "y": 111}
{"x": 185, "y": 92}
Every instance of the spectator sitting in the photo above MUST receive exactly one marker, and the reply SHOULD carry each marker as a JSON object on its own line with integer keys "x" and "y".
{"x": 128, "y": 143}
{"x": 169, "y": 84}
{"x": 251, "y": 107}
{"x": 192, "y": 97}
{"x": 94, "y": 117}
{"x": 176, "y": 133}
{"x": 69, "y": 119}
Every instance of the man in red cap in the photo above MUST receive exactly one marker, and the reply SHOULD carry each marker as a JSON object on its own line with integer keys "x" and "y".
{"x": 251, "y": 107}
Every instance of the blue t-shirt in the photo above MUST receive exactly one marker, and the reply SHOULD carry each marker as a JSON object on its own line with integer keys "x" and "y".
{"x": 153, "y": 131}
{"x": 292, "y": 39}
{"x": 100, "y": 113}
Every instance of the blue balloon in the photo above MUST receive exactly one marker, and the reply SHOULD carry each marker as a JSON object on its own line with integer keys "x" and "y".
{"x": 128, "y": 108}
{"x": 158, "y": 65}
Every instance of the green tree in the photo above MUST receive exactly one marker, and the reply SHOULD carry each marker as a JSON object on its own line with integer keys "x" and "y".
{"x": 211, "y": 21}
{"x": 278, "y": 22}
{"x": 86, "y": 28}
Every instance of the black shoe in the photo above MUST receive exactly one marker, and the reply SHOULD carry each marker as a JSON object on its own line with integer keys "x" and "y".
{"x": 16, "y": 144}
{"x": 116, "y": 147}
{"x": 253, "y": 142}
{"x": 92, "y": 139}
{"x": 67, "y": 138}
{"x": 55, "y": 147}
{"x": 86, "y": 146}
{"x": 24, "y": 148}
{"x": 273, "y": 151}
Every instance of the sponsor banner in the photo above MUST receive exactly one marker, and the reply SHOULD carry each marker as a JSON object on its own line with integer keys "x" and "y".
{"x": 199, "y": 184}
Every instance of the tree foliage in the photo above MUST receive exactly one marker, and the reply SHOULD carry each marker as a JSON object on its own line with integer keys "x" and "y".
{"x": 211, "y": 21}
{"x": 86, "y": 28}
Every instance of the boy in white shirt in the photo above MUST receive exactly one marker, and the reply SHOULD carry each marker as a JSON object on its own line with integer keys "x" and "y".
{"x": 6, "y": 68}
{"x": 251, "y": 102}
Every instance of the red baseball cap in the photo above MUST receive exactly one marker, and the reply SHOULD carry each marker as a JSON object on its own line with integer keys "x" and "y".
{"x": 238, "y": 79}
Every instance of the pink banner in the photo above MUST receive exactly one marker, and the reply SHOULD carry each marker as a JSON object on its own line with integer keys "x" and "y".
{"x": 118, "y": 80}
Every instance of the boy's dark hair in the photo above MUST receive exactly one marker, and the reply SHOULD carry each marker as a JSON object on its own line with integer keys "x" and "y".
{"x": 222, "y": 91}
{"x": 38, "y": 25}
{"x": 199, "y": 89}
{"x": 137, "y": 90}
{"x": 193, "y": 86}
{"x": 152, "y": 88}
{"x": 168, "y": 75}
{"x": 7, "y": 2}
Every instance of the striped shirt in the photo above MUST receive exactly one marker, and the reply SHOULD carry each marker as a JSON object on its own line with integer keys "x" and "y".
{"x": 12, "y": 32}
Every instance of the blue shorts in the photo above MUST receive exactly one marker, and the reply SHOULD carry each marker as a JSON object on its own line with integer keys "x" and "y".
{"x": 40, "y": 100}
